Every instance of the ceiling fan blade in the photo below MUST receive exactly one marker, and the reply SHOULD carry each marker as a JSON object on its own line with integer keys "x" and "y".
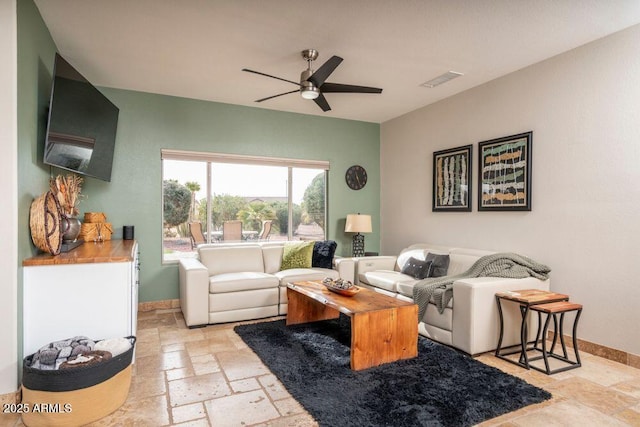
{"x": 322, "y": 103}
{"x": 268, "y": 75}
{"x": 324, "y": 71}
{"x": 340, "y": 88}
{"x": 275, "y": 96}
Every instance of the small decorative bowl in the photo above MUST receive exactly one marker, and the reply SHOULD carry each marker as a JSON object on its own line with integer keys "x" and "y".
{"x": 341, "y": 287}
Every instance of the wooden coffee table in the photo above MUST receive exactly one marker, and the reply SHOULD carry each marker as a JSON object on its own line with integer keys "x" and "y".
{"x": 383, "y": 329}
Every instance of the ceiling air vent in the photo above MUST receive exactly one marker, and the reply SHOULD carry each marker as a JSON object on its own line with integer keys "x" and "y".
{"x": 449, "y": 75}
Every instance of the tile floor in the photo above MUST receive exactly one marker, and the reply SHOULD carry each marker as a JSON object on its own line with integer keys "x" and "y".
{"x": 209, "y": 377}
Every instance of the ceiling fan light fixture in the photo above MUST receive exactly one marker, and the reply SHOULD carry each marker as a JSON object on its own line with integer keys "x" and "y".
{"x": 309, "y": 91}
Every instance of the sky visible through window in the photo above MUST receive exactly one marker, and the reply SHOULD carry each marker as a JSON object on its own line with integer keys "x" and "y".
{"x": 241, "y": 180}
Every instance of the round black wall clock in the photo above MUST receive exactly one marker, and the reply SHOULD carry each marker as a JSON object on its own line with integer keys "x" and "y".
{"x": 356, "y": 177}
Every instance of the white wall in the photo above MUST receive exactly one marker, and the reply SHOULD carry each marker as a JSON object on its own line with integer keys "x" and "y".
{"x": 9, "y": 204}
{"x": 584, "y": 110}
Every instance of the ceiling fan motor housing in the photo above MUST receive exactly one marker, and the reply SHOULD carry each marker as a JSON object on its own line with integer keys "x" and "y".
{"x": 304, "y": 76}
{"x": 307, "y": 89}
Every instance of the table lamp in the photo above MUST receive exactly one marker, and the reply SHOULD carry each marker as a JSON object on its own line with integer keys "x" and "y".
{"x": 357, "y": 223}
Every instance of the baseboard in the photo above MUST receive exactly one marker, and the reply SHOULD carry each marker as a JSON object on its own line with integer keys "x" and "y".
{"x": 159, "y": 305}
{"x": 605, "y": 352}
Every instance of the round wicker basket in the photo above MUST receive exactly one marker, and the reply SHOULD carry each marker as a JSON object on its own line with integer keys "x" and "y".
{"x": 44, "y": 221}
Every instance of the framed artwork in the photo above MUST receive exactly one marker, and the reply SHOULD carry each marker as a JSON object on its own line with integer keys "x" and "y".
{"x": 452, "y": 180}
{"x": 504, "y": 173}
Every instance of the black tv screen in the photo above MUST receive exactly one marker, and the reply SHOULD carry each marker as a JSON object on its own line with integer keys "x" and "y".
{"x": 81, "y": 132}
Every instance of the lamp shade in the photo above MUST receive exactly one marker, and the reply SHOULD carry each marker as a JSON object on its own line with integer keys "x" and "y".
{"x": 357, "y": 223}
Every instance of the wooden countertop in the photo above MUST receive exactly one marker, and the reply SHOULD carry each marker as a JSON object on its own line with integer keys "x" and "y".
{"x": 88, "y": 252}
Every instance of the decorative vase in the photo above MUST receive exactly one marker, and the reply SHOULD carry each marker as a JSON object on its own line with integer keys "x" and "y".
{"x": 70, "y": 226}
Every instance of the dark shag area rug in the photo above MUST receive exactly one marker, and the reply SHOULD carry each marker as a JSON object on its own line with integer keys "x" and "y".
{"x": 441, "y": 387}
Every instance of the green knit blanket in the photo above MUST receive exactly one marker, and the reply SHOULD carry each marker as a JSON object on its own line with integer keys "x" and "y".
{"x": 507, "y": 265}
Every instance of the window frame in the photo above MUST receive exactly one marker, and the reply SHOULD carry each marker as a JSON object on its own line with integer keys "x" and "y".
{"x": 209, "y": 158}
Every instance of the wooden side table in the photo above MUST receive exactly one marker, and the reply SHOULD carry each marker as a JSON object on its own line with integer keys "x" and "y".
{"x": 552, "y": 310}
{"x": 525, "y": 298}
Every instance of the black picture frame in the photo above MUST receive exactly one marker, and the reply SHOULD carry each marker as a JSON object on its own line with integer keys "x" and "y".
{"x": 452, "y": 179}
{"x": 504, "y": 173}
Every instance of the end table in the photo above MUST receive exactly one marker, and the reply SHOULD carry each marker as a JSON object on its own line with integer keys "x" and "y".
{"x": 552, "y": 310}
{"x": 525, "y": 299}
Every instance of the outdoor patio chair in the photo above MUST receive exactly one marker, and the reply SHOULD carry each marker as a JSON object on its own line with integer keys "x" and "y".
{"x": 266, "y": 230}
{"x": 232, "y": 230}
{"x": 195, "y": 230}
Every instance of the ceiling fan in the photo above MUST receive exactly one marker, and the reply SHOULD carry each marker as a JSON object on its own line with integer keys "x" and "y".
{"x": 312, "y": 83}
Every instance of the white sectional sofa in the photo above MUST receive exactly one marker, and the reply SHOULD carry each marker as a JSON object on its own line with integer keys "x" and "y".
{"x": 470, "y": 322}
{"x": 233, "y": 282}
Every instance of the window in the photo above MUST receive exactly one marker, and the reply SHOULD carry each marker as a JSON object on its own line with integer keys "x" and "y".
{"x": 219, "y": 198}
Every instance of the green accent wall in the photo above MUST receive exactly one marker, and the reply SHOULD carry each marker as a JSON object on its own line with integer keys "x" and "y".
{"x": 150, "y": 122}
{"x": 36, "y": 52}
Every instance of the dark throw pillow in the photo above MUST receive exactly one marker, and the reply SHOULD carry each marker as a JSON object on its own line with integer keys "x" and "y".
{"x": 323, "y": 251}
{"x": 417, "y": 268}
{"x": 439, "y": 266}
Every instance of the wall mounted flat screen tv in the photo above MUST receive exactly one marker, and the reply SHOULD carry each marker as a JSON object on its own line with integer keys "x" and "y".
{"x": 81, "y": 132}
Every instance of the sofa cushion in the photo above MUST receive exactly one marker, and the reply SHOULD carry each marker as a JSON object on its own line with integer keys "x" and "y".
{"x": 297, "y": 255}
{"x": 463, "y": 259}
{"x": 406, "y": 289}
{"x": 242, "y": 281}
{"x": 417, "y": 268}
{"x": 385, "y": 279}
{"x": 323, "y": 252}
{"x": 419, "y": 251}
{"x": 249, "y": 299}
{"x": 301, "y": 274}
{"x": 272, "y": 256}
{"x": 439, "y": 264}
{"x": 231, "y": 259}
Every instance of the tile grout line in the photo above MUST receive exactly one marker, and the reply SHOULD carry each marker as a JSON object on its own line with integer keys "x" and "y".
{"x": 166, "y": 381}
{"x": 168, "y": 397}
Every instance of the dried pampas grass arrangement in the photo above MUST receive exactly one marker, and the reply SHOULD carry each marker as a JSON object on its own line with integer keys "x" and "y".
{"x": 66, "y": 189}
